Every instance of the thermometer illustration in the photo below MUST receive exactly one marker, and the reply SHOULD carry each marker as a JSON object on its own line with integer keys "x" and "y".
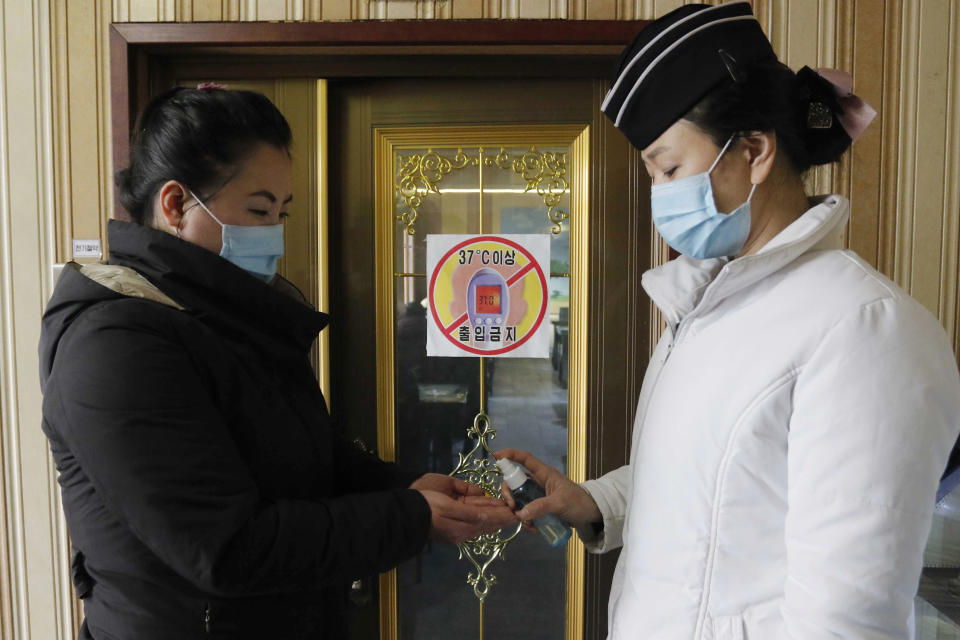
{"x": 488, "y": 299}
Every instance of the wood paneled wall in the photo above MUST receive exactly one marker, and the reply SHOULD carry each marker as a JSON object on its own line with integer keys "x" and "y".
{"x": 310, "y": 10}
{"x": 903, "y": 177}
{"x": 35, "y": 596}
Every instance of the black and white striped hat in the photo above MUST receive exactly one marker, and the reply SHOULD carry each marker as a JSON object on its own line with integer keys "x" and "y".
{"x": 676, "y": 60}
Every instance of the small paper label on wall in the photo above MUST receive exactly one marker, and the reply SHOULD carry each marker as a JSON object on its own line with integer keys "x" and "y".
{"x": 87, "y": 248}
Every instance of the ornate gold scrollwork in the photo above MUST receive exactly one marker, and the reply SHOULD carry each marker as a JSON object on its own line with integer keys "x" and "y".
{"x": 544, "y": 171}
{"x": 475, "y": 467}
{"x": 418, "y": 175}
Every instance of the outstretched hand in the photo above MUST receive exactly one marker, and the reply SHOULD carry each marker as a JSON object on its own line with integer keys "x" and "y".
{"x": 449, "y": 486}
{"x": 565, "y": 498}
{"x": 456, "y": 519}
{"x": 460, "y": 510}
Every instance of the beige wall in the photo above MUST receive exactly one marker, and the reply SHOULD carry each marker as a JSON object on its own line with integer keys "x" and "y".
{"x": 903, "y": 178}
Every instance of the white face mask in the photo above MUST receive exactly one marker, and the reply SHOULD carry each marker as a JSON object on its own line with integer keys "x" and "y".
{"x": 685, "y": 214}
{"x": 253, "y": 248}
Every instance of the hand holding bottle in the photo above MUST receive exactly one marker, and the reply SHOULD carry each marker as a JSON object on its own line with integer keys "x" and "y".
{"x": 565, "y": 499}
{"x": 523, "y": 490}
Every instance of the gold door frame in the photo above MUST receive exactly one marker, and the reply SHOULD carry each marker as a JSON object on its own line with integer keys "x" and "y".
{"x": 386, "y": 141}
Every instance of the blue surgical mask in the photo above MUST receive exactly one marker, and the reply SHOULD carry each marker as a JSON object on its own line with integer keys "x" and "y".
{"x": 253, "y": 248}
{"x": 686, "y": 215}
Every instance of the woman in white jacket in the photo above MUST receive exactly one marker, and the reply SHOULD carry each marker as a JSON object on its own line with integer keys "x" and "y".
{"x": 798, "y": 413}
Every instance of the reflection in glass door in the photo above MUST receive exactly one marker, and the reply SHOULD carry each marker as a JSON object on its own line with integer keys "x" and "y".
{"x": 441, "y": 414}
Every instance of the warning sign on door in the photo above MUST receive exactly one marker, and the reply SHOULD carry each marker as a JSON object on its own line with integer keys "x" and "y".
{"x": 487, "y": 295}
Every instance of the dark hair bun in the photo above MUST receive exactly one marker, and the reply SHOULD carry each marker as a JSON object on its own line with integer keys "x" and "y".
{"x": 197, "y": 137}
{"x": 825, "y": 138}
{"x": 800, "y": 108}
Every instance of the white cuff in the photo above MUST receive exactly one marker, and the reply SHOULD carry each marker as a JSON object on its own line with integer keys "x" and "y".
{"x": 612, "y": 535}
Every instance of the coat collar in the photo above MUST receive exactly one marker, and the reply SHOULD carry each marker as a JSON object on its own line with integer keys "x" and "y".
{"x": 217, "y": 292}
{"x": 681, "y": 285}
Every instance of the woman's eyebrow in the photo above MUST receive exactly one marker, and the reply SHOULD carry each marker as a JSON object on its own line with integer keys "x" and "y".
{"x": 653, "y": 154}
{"x": 269, "y": 196}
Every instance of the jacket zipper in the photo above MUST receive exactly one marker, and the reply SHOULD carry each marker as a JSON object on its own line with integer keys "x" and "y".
{"x": 206, "y": 619}
{"x": 676, "y": 335}
{"x": 674, "y": 339}
{"x": 641, "y": 418}
{"x": 666, "y": 356}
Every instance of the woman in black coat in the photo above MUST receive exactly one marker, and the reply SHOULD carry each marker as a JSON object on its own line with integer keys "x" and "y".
{"x": 205, "y": 492}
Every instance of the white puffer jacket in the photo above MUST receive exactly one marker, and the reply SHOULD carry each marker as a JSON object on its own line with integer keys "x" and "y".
{"x": 792, "y": 427}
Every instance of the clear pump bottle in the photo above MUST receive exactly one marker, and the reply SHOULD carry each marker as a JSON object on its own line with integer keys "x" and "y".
{"x": 525, "y": 490}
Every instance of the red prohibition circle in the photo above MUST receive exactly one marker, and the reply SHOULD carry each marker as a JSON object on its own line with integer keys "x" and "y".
{"x": 543, "y": 289}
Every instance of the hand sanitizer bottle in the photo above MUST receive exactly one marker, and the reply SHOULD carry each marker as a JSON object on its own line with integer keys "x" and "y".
{"x": 525, "y": 490}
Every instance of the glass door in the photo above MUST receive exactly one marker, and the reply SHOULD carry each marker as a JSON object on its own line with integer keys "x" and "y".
{"x": 442, "y": 414}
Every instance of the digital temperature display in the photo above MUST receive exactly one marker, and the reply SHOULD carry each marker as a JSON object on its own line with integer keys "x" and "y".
{"x": 488, "y": 299}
